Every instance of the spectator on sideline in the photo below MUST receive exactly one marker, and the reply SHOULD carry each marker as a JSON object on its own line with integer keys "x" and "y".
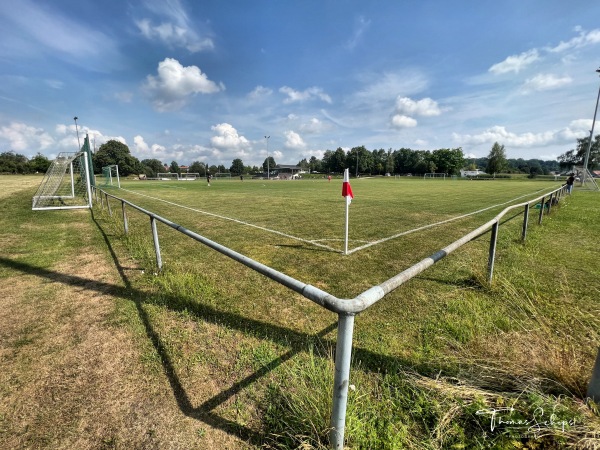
{"x": 569, "y": 183}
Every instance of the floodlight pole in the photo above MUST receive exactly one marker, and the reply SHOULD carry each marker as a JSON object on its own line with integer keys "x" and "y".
{"x": 587, "y": 154}
{"x": 77, "y": 131}
{"x": 268, "y": 168}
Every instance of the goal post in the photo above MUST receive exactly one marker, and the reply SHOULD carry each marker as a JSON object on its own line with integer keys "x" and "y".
{"x": 168, "y": 176}
{"x": 436, "y": 175}
{"x": 189, "y": 176}
{"x": 66, "y": 184}
{"x": 111, "y": 176}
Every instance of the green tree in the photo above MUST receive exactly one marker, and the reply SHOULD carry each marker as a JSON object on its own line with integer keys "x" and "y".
{"x": 198, "y": 167}
{"x": 496, "y": 159}
{"x": 237, "y": 167}
{"x": 152, "y": 167}
{"x": 11, "y": 162}
{"x": 269, "y": 164}
{"x": 576, "y": 157}
{"x": 174, "y": 167}
{"x": 115, "y": 152}
{"x": 448, "y": 161}
{"x": 39, "y": 163}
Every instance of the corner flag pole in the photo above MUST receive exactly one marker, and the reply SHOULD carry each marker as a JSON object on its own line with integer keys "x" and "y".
{"x": 347, "y": 193}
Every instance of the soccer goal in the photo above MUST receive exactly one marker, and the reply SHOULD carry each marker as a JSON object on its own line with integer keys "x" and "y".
{"x": 66, "y": 184}
{"x": 222, "y": 175}
{"x": 436, "y": 175}
{"x": 168, "y": 176}
{"x": 111, "y": 176}
{"x": 191, "y": 176}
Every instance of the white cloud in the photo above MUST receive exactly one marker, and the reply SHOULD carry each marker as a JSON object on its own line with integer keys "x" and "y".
{"x": 314, "y": 126}
{"x": 293, "y": 140}
{"x": 424, "y": 107}
{"x": 380, "y": 88}
{"x": 407, "y": 107}
{"x": 584, "y": 39}
{"x": 576, "y": 129}
{"x": 401, "y": 121}
{"x": 302, "y": 96}
{"x": 24, "y": 137}
{"x": 260, "y": 92}
{"x": 544, "y": 82}
{"x": 515, "y": 63}
{"x": 174, "y": 28}
{"x": 228, "y": 138}
{"x": 174, "y": 84}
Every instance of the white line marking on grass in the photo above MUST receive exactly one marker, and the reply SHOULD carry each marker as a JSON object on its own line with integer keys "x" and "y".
{"x": 237, "y": 221}
{"x": 424, "y": 227}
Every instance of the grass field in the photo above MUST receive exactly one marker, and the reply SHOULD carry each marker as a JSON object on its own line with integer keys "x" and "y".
{"x": 211, "y": 355}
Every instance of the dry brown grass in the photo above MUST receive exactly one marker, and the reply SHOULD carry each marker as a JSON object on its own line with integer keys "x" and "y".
{"x": 72, "y": 374}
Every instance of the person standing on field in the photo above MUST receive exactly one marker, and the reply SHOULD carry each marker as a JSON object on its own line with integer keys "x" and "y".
{"x": 208, "y": 178}
{"x": 569, "y": 183}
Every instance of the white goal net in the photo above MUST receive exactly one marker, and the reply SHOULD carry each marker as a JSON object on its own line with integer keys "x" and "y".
{"x": 189, "y": 176}
{"x": 111, "y": 176}
{"x": 66, "y": 184}
{"x": 435, "y": 175}
{"x": 168, "y": 176}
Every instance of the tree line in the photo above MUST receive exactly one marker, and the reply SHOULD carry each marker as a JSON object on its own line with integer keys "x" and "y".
{"x": 358, "y": 159}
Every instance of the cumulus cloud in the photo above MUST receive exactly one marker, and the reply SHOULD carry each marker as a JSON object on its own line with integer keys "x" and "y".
{"x": 401, "y": 121}
{"x": 576, "y": 129}
{"x": 171, "y": 88}
{"x": 314, "y": 126}
{"x": 293, "y": 140}
{"x": 407, "y": 107}
{"x": 302, "y": 96}
{"x": 228, "y": 138}
{"x": 24, "y": 137}
{"x": 515, "y": 63}
{"x": 545, "y": 82}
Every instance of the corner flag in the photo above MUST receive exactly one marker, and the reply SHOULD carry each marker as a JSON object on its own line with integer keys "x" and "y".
{"x": 346, "y": 188}
{"x": 347, "y": 192}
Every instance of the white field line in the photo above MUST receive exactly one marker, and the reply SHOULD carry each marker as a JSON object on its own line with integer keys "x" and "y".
{"x": 316, "y": 241}
{"x": 236, "y": 221}
{"x": 380, "y": 241}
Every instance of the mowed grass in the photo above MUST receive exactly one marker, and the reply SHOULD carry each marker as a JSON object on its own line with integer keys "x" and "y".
{"x": 298, "y": 227}
{"x": 249, "y": 363}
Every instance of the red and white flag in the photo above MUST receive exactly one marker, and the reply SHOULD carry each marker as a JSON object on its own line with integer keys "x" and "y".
{"x": 346, "y": 188}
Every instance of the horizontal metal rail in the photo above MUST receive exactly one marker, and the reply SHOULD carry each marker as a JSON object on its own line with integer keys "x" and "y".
{"x": 345, "y": 308}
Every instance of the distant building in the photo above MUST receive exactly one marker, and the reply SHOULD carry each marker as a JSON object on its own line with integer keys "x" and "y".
{"x": 287, "y": 172}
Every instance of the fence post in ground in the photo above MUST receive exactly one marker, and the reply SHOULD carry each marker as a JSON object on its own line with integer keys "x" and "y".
{"x": 525, "y": 222}
{"x": 541, "y": 210}
{"x": 550, "y": 202}
{"x": 108, "y": 206}
{"x": 492, "y": 255}
{"x": 156, "y": 243}
{"x": 125, "y": 224}
{"x": 343, "y": 352}
{"x": 101, "y": 202}
{"x": 593, "y": 390}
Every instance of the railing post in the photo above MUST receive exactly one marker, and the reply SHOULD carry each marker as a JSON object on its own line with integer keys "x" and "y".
{"x": 541, "y": 211}
{"x": 492, "y": 255}
{"x": 156, "y": 243}
{"x": 108, "y": 206}
{"x": 101, "y": 202}
{"x": 550, "y": 202}
{"x": 343, "y": 352}
{"x": 125, "y": 224}
{"x": 525, "y": 222}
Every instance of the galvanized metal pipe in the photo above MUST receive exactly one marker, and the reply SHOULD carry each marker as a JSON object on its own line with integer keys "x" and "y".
{"x": 541, "y": 211}
{"x": 125, "y": 224}
{"x": 156, "y": 243}
{"x": 492, "y": 253}
{"x": 341, "y": 381}
{"x": 550, "y": 202}
{"x": 108, "y": 206}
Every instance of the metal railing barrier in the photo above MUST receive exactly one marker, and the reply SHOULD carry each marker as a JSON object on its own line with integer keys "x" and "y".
{"x": 345, "y": 308}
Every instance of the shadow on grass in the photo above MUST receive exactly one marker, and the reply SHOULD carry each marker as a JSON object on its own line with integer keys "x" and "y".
{"x": 296, "y": 340}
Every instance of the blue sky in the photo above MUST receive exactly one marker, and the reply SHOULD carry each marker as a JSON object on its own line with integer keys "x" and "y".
{"x": 207, "y": 80}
